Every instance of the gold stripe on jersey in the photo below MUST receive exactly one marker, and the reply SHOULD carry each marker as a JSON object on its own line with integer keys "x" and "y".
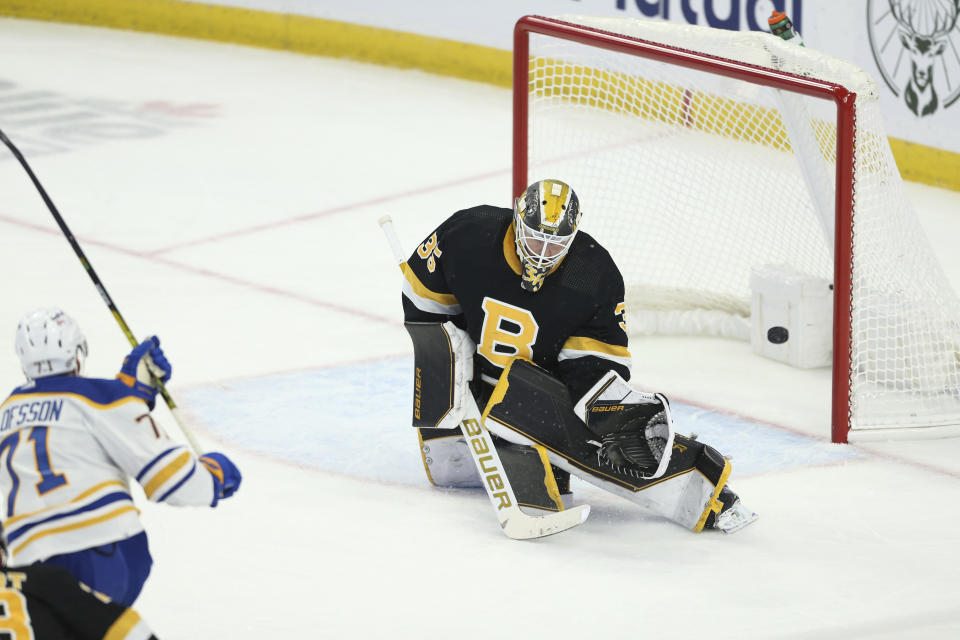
{"x": 71, "y": 527}
{"x": 88, "y": 492}
{"x": 421, "y": 290}
{"x": 161, "y": 477}
{"x": 78, "y": 396}
{"x": 123, "y": 625}
{"x": 580, "y": 347}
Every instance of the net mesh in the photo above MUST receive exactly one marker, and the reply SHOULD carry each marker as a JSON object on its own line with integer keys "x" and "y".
{"x": 692, "y": 179}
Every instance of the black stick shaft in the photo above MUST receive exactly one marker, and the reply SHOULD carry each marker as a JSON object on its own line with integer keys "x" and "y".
{"x": 82, "y": 256}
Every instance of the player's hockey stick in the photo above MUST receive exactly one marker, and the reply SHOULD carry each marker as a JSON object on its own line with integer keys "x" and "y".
{"x": 174, "y": 410}
{"x": 514, "y": 522}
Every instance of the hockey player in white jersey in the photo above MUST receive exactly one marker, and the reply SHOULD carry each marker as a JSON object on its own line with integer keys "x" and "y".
{"x": 68, "y": 448}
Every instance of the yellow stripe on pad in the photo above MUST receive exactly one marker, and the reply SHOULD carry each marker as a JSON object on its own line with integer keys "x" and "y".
{"x": 500, "y": 390}
{"x": 423, "y": 458}
{"x": 549, "y": 480}
{"x": 714, "y": 505}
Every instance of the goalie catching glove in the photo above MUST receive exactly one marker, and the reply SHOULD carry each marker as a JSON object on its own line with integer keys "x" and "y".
{"x": 635, "y": 429}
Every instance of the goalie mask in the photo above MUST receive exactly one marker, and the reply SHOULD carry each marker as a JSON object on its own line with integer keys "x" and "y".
{"x": 546, "y": 217}
{"x": 49, "y": 343}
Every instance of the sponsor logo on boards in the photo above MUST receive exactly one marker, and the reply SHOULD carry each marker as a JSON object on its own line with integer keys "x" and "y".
{"x": 915, "y": 44}
{"x": 733, "y": 15}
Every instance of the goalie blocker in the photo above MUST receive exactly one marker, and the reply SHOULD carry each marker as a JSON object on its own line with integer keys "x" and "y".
{"x": 686, "y": 483}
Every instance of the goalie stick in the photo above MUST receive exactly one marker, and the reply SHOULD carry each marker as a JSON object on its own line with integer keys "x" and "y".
{"x": 515, "y": 523}
{"x": 174, "y": 410}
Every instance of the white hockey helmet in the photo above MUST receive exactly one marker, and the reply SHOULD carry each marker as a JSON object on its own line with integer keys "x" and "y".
{"x": 49, "y": 343}
{"x": 546, "y": 217}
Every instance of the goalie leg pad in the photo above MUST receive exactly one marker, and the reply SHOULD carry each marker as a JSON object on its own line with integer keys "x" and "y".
{"x": 531, "y": 407}
{"x": 533, "y": 478}
{"x": 446, "y": 459}
{"x": 537, "y": 485}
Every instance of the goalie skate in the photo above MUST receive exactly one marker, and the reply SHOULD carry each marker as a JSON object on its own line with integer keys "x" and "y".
{"x": 735, "y": 518}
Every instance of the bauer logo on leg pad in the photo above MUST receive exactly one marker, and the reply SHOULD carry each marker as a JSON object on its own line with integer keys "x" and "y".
{"x": 417, "y": 392}
{"x": 491, "y": 474}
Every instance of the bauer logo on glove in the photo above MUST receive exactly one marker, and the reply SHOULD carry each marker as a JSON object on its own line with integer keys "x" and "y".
{"x": 634, "y": 429}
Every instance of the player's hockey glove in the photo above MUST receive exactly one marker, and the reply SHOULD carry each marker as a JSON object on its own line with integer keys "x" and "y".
{"x": 226, "y": 476}
{"x": 143, "y": 367}
{"x": 634, "y": 429}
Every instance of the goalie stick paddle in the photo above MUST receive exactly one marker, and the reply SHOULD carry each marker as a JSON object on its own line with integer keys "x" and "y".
{"x": 174, "y": 410}
{"x": 515, "y": 523}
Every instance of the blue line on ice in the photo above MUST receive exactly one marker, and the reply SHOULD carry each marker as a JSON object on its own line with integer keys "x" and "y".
{"x": 354, "y": 419}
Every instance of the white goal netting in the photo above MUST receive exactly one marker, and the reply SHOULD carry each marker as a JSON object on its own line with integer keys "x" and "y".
{"x": 692, "y": 179}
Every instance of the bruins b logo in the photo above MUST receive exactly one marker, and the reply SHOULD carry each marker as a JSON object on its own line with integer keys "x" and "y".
{"x": 508, "y": 332}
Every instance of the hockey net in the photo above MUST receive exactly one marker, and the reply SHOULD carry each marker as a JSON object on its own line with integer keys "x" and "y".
{"x": 700, "y": 155}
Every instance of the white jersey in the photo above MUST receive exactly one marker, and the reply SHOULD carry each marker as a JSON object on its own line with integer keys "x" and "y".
{"x": 68, "y": 447}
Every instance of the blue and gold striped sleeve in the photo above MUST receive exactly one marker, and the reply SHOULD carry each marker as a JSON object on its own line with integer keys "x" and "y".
{"x": 173, "y": 476}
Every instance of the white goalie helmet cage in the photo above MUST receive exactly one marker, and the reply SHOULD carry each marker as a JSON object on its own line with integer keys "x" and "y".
{"x": 49, "y": 343}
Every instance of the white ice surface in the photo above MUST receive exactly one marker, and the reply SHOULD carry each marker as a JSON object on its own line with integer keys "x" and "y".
{"x": 228, "y": 199}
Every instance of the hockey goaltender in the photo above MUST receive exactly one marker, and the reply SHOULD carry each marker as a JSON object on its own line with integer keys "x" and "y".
{"x": 541, "y": 305}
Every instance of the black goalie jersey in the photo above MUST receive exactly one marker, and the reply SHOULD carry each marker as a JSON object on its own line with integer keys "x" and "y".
{"x": 468, "y": 271}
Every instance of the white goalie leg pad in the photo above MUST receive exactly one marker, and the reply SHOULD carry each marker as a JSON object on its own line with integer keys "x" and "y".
{"x": 685, "y": 498}
{"x": 462, "y": 348}
{"x": 612, "y": 388}
{"x": 448, "y": 462}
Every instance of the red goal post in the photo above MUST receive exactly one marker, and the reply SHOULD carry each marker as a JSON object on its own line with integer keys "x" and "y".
{"x": 558, "y": 90}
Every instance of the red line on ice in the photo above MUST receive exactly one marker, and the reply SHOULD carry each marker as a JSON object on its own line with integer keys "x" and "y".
{"x": 224, "y": 277}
